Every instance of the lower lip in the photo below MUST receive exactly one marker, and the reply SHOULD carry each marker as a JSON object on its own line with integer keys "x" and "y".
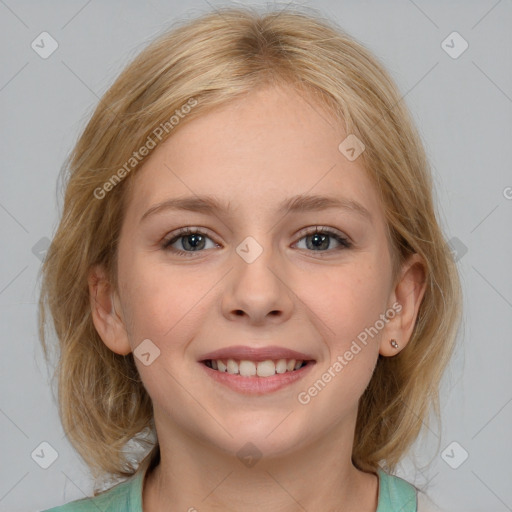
{"x": 258, "y": 385}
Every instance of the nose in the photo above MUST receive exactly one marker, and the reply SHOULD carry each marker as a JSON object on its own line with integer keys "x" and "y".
{"x": 258, "y": 292}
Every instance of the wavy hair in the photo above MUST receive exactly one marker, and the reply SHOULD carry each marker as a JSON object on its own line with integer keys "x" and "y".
{"x": 215, "y": 58}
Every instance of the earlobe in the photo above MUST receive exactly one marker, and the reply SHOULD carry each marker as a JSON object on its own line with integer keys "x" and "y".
{"x": 408, "y": 293}
{"x": 106, "y": 318}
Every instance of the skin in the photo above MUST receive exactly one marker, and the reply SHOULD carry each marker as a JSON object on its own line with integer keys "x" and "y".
{"x": 253, "y": 153}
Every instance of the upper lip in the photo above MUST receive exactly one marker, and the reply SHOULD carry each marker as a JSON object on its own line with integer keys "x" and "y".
{"x": 241, "y": 352}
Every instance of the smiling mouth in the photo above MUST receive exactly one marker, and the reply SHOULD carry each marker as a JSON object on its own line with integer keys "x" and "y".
{"x": 247, "y": 368}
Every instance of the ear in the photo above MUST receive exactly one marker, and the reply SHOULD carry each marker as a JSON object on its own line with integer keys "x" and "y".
{"x": 408, "y": 293}
{"x": 105, "y": 308}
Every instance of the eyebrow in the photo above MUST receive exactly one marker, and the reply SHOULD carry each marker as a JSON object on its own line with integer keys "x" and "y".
{"x": 299, "y": 203}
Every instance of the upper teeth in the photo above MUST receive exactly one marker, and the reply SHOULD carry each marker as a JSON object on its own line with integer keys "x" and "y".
{"x": 251, "y": 368}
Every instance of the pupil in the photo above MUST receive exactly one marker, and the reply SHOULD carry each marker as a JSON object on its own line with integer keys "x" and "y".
{"x": 196, "y": 241}
{"x": 318, "y": 240}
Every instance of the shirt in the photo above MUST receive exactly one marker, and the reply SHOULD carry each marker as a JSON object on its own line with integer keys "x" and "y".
{"x": 394, "y": 494}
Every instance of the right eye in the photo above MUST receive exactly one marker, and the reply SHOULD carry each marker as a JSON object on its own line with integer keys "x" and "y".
{"x": 190, "y": 241}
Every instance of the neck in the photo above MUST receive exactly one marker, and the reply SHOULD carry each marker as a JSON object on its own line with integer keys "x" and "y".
{"x": 197, "y": 476}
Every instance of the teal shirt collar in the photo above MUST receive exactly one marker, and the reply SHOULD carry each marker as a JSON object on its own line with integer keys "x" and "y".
{"x": 395, "y": 495}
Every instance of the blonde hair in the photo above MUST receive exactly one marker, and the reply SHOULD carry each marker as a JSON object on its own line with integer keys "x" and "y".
{"x": 214, "y": 59}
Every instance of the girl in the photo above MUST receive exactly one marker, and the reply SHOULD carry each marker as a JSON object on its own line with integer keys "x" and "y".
{"x": 249, "y": 277}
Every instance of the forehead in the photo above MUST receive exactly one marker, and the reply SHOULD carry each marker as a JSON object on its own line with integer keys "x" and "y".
{"x": 252, "y": 152}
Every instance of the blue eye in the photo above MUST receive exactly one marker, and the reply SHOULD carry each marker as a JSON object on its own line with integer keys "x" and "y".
{"x": 321, "y": 239}
{"x": 193, "y": 240}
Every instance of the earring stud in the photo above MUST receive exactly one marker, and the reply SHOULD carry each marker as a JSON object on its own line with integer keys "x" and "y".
{"x": 394, "y": 344}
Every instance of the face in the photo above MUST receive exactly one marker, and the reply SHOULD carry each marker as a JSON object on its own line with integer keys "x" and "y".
{"x": 264, "y": 276}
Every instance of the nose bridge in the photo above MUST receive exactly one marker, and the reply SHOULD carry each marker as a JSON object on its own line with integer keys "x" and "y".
{"x": 256, "y": 287}
{"x": 255, "y": 264}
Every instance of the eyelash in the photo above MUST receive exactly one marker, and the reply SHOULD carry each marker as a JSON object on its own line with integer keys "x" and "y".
{"x": 183, "y": 232}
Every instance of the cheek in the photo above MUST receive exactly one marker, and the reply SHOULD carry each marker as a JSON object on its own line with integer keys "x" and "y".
{"x": 157, "y": 301}
{"x": 354, "y": 298}
{"x": 350, "y": 302}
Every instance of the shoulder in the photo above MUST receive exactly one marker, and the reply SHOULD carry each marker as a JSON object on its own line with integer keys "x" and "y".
{"x": 396, "y": 492}
{"x": 123, "y": 497}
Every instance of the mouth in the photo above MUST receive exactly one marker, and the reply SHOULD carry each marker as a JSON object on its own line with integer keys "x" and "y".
{"x": 256, "y": 371}
{"x": 261, "y": 369}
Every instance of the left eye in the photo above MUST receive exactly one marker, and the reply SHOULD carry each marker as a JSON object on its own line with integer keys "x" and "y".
{"x": 192, "y": 241}
{"x": 320, "y": 239}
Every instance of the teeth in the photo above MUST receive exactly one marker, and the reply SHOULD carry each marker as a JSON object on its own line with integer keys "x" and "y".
{"x": 232, "y": 366}
{"x": 266, "y": 369}
{"x": 246, "y": 368}
{"x": 281, "y": 366}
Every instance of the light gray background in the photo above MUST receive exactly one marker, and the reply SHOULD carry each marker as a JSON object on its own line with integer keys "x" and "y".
{"x": 463, "y": 108}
